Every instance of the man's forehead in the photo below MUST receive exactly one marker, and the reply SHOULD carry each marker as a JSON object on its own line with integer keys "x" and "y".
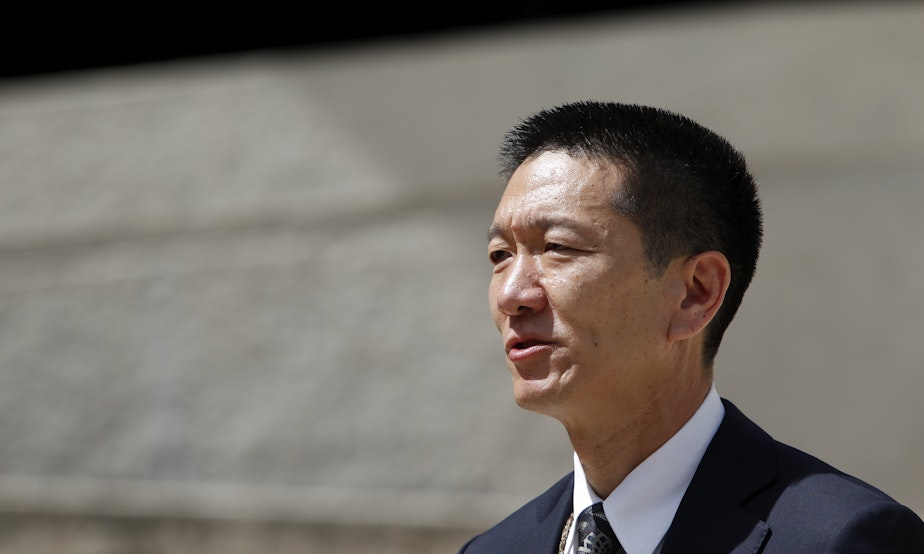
{"x": 557, "y": 176}
{"x": 558, "y": 190}
{"x": 551, "y": 168}
{"x": 550, "y": 164}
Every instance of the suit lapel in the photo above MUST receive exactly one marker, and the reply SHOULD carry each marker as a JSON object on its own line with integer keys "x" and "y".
{"x": 739, "y": 462}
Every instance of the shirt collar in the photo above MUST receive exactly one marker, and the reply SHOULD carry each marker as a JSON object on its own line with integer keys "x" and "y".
{"x": 641, "y": 508}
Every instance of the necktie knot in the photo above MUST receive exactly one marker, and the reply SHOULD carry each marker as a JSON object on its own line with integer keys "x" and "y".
{"x": 594, "y": 534}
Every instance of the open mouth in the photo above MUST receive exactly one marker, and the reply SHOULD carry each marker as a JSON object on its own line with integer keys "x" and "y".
{"x": 527, "y": 344}
{"x": 524, "y": 349}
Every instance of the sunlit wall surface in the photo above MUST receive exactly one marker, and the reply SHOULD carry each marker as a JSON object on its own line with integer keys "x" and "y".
{"x": 240, "y": 294}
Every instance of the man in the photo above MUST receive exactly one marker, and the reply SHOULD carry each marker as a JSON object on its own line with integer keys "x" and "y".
{"x": 622, "y": 247}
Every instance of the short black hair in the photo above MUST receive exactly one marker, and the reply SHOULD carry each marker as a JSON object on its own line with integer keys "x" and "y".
{"x": 687, "y": 188}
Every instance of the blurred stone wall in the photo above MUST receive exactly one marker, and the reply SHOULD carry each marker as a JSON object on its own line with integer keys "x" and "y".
{"x": 239, "y": 294}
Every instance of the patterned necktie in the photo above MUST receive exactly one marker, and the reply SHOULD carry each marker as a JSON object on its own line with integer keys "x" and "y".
{"x": 594, "y": 534}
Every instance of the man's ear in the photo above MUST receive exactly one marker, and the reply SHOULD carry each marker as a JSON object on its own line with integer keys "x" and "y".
{"x": 705, "y": 278}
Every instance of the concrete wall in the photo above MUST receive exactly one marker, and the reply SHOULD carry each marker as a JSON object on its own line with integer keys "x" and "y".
{"x": 238, "y": 293}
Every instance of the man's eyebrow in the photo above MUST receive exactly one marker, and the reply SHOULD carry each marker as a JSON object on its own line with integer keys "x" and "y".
{"x": 543, "y": 224}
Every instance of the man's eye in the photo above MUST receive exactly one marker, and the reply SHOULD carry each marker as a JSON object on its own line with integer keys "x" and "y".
{"x": 497, "y": 256}
{"x": 555, "y": 246}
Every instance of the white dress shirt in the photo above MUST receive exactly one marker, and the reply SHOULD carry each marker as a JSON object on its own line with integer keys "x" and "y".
{"x": 641, "y": 508}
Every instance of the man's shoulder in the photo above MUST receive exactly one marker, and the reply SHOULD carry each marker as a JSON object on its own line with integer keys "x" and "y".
{"x": 815, "y": 507}
{"x": 532, "y": 522}
{"x": 810, "y": 504}
{"x": 821, "y": 479}
{"x": 806, "y": 477}
{"x": 743, "y": 455}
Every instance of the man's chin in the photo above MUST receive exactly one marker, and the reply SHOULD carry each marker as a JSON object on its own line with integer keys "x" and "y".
{"x": 535, "y": 395}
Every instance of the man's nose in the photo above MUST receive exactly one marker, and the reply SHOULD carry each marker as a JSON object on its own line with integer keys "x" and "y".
{"x": 521, "y": 290}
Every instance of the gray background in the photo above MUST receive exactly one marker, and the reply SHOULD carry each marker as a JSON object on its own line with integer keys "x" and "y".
{"x": 240, "y": 293}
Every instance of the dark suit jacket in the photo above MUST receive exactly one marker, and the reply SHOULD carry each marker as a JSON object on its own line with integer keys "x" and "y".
{"x": 750, "y": 494}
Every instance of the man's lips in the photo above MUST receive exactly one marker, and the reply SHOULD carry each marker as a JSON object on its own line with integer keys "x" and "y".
{"x": 519, "y": 348}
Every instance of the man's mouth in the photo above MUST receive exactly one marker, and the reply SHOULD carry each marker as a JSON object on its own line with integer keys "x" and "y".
{"x": 523, "y": 349}
{"x": 522, "y": 345}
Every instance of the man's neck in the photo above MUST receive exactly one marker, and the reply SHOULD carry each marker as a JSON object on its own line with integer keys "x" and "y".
{"x": 610, "y": 449}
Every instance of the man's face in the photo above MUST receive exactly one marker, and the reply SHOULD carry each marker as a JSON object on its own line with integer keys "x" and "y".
{"x": 584, "y": 324}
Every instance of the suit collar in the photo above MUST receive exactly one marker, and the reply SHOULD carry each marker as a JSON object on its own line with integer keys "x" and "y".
{"x": 739, "y": 462}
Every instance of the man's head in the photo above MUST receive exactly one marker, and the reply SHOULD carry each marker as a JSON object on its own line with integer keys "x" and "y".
{"x": 686, "y": 188}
